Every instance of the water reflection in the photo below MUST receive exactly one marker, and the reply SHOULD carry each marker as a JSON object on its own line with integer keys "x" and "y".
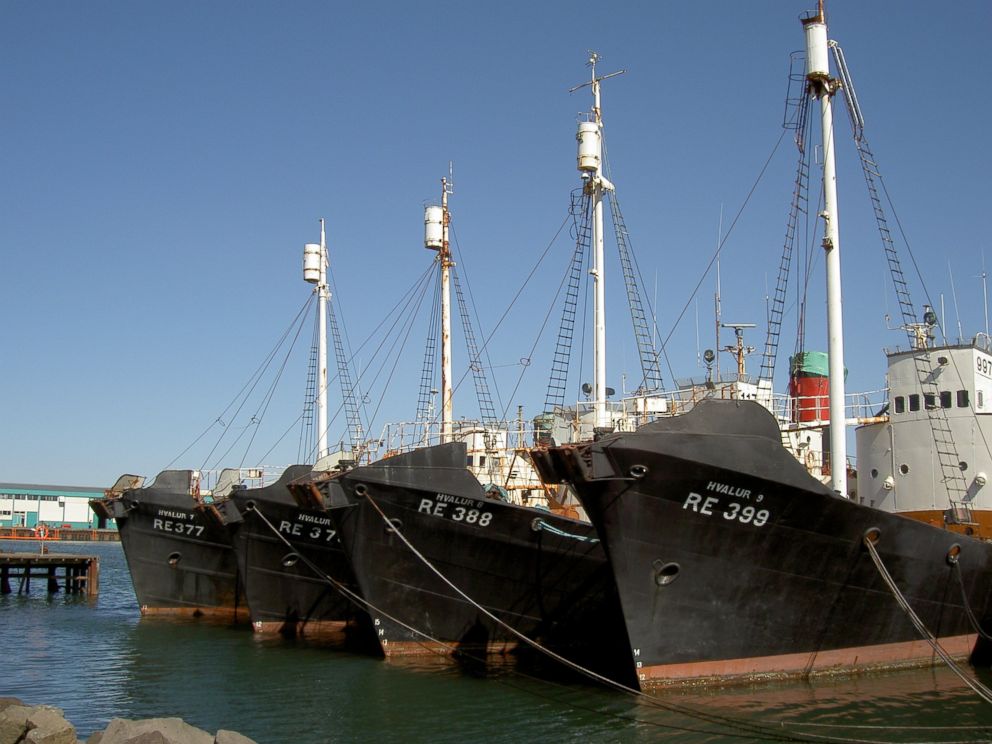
{"x": 99, "y": 659}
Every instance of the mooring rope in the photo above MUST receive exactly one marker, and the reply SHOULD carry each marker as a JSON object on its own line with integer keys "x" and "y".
{"x": 711, "y": 718}
{"x": 539, "y": 524}
{"x": 749, "y": 727}
{"x": 984, "y": 692}
{"x": 956, "y": 569}
{"x": 343, "y": 588}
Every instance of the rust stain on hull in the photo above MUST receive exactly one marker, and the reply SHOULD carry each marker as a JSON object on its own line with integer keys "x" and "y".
{"x": 331, "y": 630}
{"x": 434, "y": 648}
{"x": 840, "y": 661}
{"x": 228, "y": 614}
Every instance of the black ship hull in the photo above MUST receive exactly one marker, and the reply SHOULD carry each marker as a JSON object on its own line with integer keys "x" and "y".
{"x": 286, "y": 586}
{"x": 733, "y": 563}
{"x": 543, "y": 575}
{"x": 178, "y": 553}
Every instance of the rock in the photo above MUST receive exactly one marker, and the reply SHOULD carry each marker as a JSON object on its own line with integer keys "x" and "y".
{"x": 47, "y": 725}
{"x": 13, "y": 723}
{"x": 232, "y": 737}
{"x": 6, "y": 702}
{"x": 170, "y": 730}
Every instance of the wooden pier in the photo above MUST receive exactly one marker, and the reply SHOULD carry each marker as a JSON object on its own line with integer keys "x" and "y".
{"x": 75, "y": 574}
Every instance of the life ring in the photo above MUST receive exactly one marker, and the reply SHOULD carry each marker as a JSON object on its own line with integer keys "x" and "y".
{"x": 41, "y": 531}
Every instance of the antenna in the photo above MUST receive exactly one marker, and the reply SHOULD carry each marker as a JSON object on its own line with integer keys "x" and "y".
{"x": 716, "y": 299}
{"x": 594, "y": 82}
{"x": 985, "y": 293}
{"x": 954, "y": 296}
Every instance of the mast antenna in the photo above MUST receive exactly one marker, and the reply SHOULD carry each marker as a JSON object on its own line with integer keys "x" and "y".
{"x": 985, "y": 293}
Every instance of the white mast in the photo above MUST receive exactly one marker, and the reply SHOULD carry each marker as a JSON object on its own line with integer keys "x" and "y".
{"x": 821, "y": 85}
{"x": 315, "y": 272}
{"x": 436, "y": 221}
{"x": 446, "y": 264}
{"x": 590, "y": 137}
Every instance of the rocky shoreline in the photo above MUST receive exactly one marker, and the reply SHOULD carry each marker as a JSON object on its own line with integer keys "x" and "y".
{"x": 45, "y": 724}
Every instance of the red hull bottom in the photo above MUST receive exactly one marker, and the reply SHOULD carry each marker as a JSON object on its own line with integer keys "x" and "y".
{"x": 790, "y": 666}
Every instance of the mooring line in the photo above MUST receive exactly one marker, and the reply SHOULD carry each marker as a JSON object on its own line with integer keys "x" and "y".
{"x": 345, "y": 591}
{"x": 956, "y": 569}
{"x": 540, "y": 524}
{"x": 653, "y": 701}
{"x": 451, "y": 649}
{"x": 984, "y": 692}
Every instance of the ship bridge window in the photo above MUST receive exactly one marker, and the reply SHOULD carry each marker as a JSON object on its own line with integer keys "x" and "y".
{"x": 981, "y": 400}
{"x": 914, "y": 402}
{"x": 963, "y": 399}
{"x": 945, "y": 399}
{"x": 930, "y": 400}
{"x": 470, "y": 463}
{"x": 900, "y": 404}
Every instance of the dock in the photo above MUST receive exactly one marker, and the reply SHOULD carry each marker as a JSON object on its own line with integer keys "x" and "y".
{"x": 75, "y": 574}
{"x": 65, "y": 533}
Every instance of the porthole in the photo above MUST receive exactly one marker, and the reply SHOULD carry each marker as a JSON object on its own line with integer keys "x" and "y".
{"x": 361, "y": 489}
{"x": 174, "y": 559}
{"x": 874, "y": 473}
{"x": 250, "y": 505}
{"x": 953, "y": 553}
{"x": 962, "y": 466}
{"x": 638, "y": 471}
{"x": 290, "y": 559}
{"x": 665, "y": 573}
{"x": 393, "y": 525}
{"x": 904, "y": 468}
{"x": 872, "y": 534}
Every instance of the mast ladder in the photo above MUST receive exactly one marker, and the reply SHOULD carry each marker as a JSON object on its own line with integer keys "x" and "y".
{"x": 558, "y": 381}
{"x": 486, "y": 410}
{"x": 800, "y": 206}
{"x": 650, "y": 369}
{"x": 952, "y": 475}
{"x": 307, "y": 438}
{"x": 355, "y": 429}
{"x": 425, "y": 412}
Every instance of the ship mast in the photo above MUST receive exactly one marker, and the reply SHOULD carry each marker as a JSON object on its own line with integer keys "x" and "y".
{"x": 590, "y": 137}
{"x": 315, "y": 272}
{"x": 436, "y": 221}
{"x": 820, "y": 85}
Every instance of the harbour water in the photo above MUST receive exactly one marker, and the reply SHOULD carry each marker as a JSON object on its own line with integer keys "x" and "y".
{"x": 98, "y": 659}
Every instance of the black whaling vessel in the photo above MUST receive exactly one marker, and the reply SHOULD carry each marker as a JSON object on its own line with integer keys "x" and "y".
{"x": 733, "y": 562}
{"x": 285, "y": 555}
{"x": 177, "y": 549}
{"x": 541, "y": 574}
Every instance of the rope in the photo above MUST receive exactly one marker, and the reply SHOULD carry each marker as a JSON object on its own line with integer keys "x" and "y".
{"x": 956, "y": 570}
{"x": 746, "y": 731}
{"x": 539, "y": 524}
{"x": 451, "y": 649}
{"x": 981, "y": 690}
{"x": 752, "y": 729}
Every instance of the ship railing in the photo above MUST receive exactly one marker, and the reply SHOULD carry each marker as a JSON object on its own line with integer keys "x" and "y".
{"x": 205, "y": 481}
{"x": 404, "y": 436}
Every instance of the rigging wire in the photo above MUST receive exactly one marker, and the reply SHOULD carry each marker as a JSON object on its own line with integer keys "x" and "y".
{"x": 730, "y": 230}
{"x": 247, "y": 387}
{"x": 475, "y": 313}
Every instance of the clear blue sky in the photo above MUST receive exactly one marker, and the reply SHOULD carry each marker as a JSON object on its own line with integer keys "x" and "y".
{"x": 163, "y": 164}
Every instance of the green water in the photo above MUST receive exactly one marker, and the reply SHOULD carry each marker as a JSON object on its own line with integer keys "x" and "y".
{"x": 98, "y": 659}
